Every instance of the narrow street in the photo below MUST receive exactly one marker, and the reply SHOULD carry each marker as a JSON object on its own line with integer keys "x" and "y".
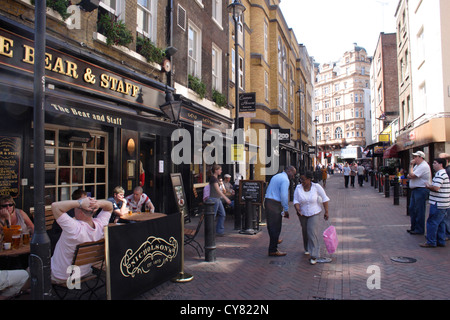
{"x": 371, "y": 231}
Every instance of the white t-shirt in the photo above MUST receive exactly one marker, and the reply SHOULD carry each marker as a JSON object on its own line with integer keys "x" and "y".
{"x": 423, "y": 174}
{"x": 309, "y": 201}
{"x": 74, "y": 233}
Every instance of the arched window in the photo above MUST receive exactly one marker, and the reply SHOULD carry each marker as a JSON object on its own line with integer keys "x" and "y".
{"x": 338, "y": 133}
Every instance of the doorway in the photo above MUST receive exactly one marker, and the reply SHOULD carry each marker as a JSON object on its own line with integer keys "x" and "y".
{"x": 148, "y": 170}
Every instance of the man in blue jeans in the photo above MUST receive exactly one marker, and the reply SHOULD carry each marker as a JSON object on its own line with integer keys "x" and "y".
{"x": 439, "y": 203}
{"x": 276, "y": 205}
{"x": 419, "y": 176}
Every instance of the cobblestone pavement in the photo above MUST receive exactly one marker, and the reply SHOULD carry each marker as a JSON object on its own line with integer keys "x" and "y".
{"x": 371, "y": 231}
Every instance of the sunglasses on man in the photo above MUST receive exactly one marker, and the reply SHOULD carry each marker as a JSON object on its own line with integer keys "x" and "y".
{"x": 7, "y": 205}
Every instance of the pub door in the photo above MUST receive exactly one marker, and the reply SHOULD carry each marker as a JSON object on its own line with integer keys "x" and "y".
{"x": 148, "y": 169}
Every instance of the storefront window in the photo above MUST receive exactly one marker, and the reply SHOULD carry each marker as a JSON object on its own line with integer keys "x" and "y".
{"x": 72, "y": 165}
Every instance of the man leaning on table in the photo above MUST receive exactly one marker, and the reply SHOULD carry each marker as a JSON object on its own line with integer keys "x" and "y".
{"x": 84, "y": 228}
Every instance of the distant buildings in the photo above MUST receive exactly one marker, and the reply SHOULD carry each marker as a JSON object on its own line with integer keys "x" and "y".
{"x": 342, "y": 103}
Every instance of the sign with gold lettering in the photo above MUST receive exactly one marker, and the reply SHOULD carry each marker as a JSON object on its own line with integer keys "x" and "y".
{"x": 17, "y": 52}
{"x": 142, "y": 255}
{"x": 10, "y": 165}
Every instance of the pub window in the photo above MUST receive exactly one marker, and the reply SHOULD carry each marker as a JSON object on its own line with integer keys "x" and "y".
{"x": 71, "y": 164}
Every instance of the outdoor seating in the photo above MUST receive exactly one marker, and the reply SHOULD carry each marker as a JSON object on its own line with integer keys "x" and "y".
{"x": 92, "y": 253}
{"x": 191, "y": 234}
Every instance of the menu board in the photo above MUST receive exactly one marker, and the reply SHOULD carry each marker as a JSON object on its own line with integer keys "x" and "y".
{"x": 180, "y": 195}
{"x": 10, "y": 165}
{"x": 253, "y": 189}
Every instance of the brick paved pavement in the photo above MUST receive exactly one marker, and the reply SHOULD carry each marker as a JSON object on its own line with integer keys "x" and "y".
{"x": 371, "y": 230}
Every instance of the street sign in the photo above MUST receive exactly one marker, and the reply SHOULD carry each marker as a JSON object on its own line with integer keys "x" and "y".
{"x": 237, "y": 152}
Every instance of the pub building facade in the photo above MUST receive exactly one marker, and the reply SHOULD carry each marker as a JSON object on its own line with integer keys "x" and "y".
{"x": 103, "y": 122}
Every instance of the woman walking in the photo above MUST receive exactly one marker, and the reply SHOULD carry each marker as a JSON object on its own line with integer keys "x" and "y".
{"x": 216, "y": 195}
{"x": 306, "y": 197}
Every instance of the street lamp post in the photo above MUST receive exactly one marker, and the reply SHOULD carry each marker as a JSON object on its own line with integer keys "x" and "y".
{"x": 300, "y": 93}
{"x": 316, "y": 121}
{"x": 236, "y": 8}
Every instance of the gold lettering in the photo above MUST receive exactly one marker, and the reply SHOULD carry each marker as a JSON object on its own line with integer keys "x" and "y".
{"x": 48, "y": 61}
{"x": 29, "y": 54}
{"x": 135, "y": 91}
{"x": 113, "y": 83}
{"x": 59, "y": 66}
{"x": 105, "y": 81}
{"x": 128, "y": 86}
{"x": 71, "y": 70}
{"x": 6, "y": 47}
{"x": 120, "y": 87}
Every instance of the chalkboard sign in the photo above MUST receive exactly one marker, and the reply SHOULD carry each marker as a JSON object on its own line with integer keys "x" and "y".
{"x": 10, "y": 165}
{"x": 253, "y": 189}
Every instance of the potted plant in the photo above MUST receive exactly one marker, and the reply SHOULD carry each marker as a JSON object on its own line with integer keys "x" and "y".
{"x": 147, "y": 49}
{"x": 59, "y": 6}
{"x": 197, "y": 86}
{"x": 114, "y": 30}
{"x": 219, "y": 98}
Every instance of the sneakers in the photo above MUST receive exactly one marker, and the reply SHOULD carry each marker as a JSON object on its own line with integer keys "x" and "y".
{"x": 312, "y": 261}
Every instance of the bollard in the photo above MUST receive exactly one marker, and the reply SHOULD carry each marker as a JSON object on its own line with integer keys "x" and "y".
{"x": 376, "y": 180}
{"x": 237, "y": 210}
{"x": 380, "y": 182}
{"x": 249, "y": 213}
{"x": 210, "y": 232}
{"x": 371, "y": 179}
{"x": 396, "y": 192}
{"x": 387, "y": 186}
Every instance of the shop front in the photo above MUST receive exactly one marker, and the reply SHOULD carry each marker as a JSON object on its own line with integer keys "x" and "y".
{"x": 431, "y": 137}
{"x": 103, "y": 124}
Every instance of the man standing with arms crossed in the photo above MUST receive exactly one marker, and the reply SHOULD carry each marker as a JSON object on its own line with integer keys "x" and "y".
{"x": 419, "y": 176}
{"x": 277, "y": 203}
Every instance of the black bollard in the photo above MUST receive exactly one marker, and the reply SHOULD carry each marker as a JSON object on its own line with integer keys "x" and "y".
{"x": 380, "y": 183}
{"x": 237, "y": 210}
{"x": 376, "y": 180}
{"x": 371, "y": 179}
{"x": 396, "y": 192}
{"x": 248, "y": 221}
{"x": 210, "y": 232}
{"x": 387, "y": 186}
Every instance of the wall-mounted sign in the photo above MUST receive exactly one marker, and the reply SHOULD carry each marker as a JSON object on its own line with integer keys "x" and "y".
{"x": 283, "y": 136}
{"x": 247, "y": 102}
{"x": 18, "y": 52}
{"x": 10, "y": 165}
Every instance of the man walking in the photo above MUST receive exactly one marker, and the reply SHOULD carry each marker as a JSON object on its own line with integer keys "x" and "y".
{"x": 277, "y": 204}
{"x": 446, "y": 156}
{"x": 419, "y": 175}
{"x": 439, "y": 203}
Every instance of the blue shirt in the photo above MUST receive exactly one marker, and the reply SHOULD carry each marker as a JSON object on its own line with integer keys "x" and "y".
{"x": 278, "y": 189}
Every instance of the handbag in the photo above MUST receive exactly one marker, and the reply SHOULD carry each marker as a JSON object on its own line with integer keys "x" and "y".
{"x": 330, "y": 238}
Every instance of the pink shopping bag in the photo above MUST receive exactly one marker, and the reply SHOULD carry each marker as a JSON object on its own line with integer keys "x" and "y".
{"x": 330, "y": 238}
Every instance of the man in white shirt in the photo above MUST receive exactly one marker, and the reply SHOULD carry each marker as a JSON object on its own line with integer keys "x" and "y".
{"x": 82, "y": 228}
{"x": 138, "y": 199}
{"x": 419, "y": 176}
{"x": 439, "y": 204}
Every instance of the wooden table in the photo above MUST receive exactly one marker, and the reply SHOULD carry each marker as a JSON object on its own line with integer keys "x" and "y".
{"x": 143, "y": 216}
{"x": 15, "y": 252}
{"x": 15, "y": 258}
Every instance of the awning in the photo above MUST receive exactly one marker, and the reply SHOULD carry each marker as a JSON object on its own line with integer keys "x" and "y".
{"x": 391, "y": 152}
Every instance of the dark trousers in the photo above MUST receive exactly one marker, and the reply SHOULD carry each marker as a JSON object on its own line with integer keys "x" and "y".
{"x": 274, "y": 221}
{"x": 360, "y": 180}
{"x": 346, "y": 178}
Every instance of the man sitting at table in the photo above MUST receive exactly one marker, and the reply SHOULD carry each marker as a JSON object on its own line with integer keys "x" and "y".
{"x": 138, "y": 199}
{"x": 84, "y": 228}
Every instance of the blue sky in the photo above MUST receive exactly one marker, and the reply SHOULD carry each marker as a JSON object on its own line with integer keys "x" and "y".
{"x": 328, "y": 28}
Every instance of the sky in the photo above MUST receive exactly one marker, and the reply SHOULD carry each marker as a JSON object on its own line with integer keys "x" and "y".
{"x": 328, "y": 28}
